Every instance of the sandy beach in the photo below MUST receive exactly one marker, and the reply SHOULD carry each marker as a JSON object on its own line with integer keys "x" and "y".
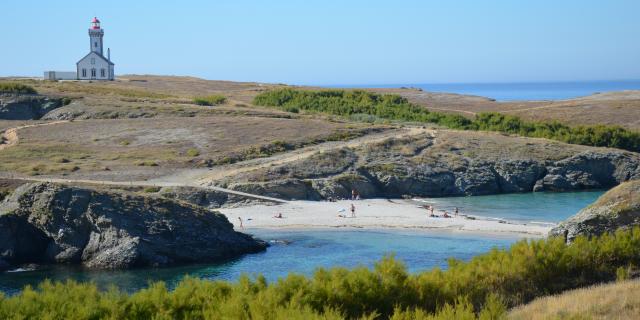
{"x": 372, "y": 214}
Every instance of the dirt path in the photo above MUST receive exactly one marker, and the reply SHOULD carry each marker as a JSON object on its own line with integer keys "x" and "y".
{"x": 203, "y": 178}
{"x": 10, "y": 136}
{"x": 218, "y": 173}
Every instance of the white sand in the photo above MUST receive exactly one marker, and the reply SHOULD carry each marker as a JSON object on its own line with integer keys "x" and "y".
{"x": 371, "y": 214}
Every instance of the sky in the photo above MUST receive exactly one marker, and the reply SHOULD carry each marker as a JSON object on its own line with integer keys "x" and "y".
{"x": 333, "y": 42}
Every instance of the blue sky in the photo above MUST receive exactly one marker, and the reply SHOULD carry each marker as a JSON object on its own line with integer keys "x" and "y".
{"x": 333, "y": 42}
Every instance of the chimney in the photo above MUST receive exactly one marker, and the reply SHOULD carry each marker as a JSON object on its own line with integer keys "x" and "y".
{"x": 109, "y": 54}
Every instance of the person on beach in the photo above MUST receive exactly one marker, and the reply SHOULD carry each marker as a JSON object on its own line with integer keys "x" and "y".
{"x": 355, "y": 195}
{"x": 431, "y": 209}
{"x": 446, "y": 215}
{"x": 278, "y": 216}
{"x": 241, "y": 226}
{"x": 353, "y": 211}
{"x": 456, "y": 211}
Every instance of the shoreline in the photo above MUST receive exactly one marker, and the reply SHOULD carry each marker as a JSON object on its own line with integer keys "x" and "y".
{"x": 371, "y": 215}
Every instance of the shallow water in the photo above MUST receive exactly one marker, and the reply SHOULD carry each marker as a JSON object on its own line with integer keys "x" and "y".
{"x": 520, "y": 207}
{"x": 303, "y": 251}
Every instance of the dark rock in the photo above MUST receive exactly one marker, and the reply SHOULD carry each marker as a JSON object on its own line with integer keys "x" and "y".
{"x": 59, "y": 224}
{"x": 26, "y": 106}
{"x": 619, "y": 208}
{"x": 209, "y": 198}
{"x": 423, "y": 167}
{"x": 292, "y": 189}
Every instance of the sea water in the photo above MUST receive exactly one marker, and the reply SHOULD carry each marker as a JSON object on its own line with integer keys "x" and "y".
{"x": 302, "y": 251}
{"x": 520, "y": 91}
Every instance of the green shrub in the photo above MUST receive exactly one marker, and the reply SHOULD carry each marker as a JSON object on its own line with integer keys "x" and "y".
{"x": 193, "y": 152}
{"x": 151, "y": 189}
{"x": 147, "y": 163}
{"x": 359, "y": 105}
{"x": 481, "y": 288}
{"x": 13, "y": 87}
{"x": 212, "y": 100}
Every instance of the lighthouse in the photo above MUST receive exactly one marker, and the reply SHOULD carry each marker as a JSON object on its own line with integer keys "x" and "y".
{"x": 94, "y": 65}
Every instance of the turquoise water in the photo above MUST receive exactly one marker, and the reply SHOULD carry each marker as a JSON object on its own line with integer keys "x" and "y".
{"x": 520, "y": 207}
{"x": 521, "y": 91}
{"x": 303, "y": 251}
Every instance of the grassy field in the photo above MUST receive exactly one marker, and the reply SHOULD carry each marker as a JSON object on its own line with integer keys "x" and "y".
{"x": 616, "y": 108}
{"x": 621, "y": 108}
{"x": 374, "y": 107}
{"x": 135, "y": 146}
{"x": 620, "y": 300}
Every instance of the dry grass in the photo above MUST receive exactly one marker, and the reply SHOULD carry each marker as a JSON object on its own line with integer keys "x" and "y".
{"x": 611, "y": 301}
{"x": 159, "y": 145}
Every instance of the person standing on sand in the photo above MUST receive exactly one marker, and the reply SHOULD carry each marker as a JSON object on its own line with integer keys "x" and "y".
{"x": 456, "y": 211}
{"x": 241, "y": 226}
{"x": 353, "y": 211}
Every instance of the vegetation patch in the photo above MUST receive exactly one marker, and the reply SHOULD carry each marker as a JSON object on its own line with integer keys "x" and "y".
{"x": 193, "y": 152}
{"x": 14, "y": 87}
{"x": 370, "y": 107}
{"x": 482, "y": 288}
{"x": 151, "y": 189}
{"x": 147, "y": 163}
{"x": 212, "y": 100}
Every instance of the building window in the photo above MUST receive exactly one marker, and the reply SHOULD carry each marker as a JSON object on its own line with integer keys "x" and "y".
{"x": 93, "y": 60}
{"x": 102, "y": 73}
{"x": 93, "y": 73}
{"x": 84, "y": 72}
{"x": 95, "y": 44}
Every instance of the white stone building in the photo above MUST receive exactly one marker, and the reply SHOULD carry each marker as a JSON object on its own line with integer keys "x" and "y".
{"x": 95, "y": 66}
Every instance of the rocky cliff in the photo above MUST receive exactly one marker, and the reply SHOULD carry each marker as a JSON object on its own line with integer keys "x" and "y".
{"x": 26, "y": 106}
{"x": 618, "y": 208}
{"x": 49, "y": 223}
{"x": 451, "y": 163}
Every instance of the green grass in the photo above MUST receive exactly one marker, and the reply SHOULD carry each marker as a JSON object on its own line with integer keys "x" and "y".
{"x": 13, "y": 87}
{"x": 483, "y": 287}
{"x": 212, "y": 100}
{"x": 365, "y": 106}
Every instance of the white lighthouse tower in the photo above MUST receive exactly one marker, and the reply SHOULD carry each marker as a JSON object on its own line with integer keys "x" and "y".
{"x": 95, "y": 66}
{"x": 95, "y": 36}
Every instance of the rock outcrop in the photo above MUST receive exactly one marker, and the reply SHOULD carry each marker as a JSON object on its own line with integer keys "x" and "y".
{"x": 428, "y": 168}
{"x": 49, "y": 223}
{"x": 26, "y": 106}
{"x": 616, "y": 209}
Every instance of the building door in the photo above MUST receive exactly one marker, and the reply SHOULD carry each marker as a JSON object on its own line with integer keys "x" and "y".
{"x": 93, "y": 73}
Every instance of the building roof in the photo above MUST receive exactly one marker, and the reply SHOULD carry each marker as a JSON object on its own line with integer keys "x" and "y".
{"x": 99, "y": 56}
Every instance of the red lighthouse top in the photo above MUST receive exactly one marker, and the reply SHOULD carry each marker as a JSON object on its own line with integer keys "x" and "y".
{"x": 95, "y": 23}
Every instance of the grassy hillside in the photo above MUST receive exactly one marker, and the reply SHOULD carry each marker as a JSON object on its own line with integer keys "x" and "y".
{"x": 488, "y": 283}
{"x": 363, "y": 105}
{"x": 619, "y": 300}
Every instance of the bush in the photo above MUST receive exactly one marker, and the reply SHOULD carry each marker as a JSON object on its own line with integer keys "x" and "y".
{"x": 193, "y": 152}
{"x": 13, "y": 87}
{"x": 151, "y": 189}
{"x": 482, "y": 287}
{"x": 210, "y": 100}
{"x": 359, "y": 105}
{"x": 147, "y": 163}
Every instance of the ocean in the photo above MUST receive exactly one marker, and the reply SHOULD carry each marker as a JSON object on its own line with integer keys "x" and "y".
{"x": 518, "y": 90}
